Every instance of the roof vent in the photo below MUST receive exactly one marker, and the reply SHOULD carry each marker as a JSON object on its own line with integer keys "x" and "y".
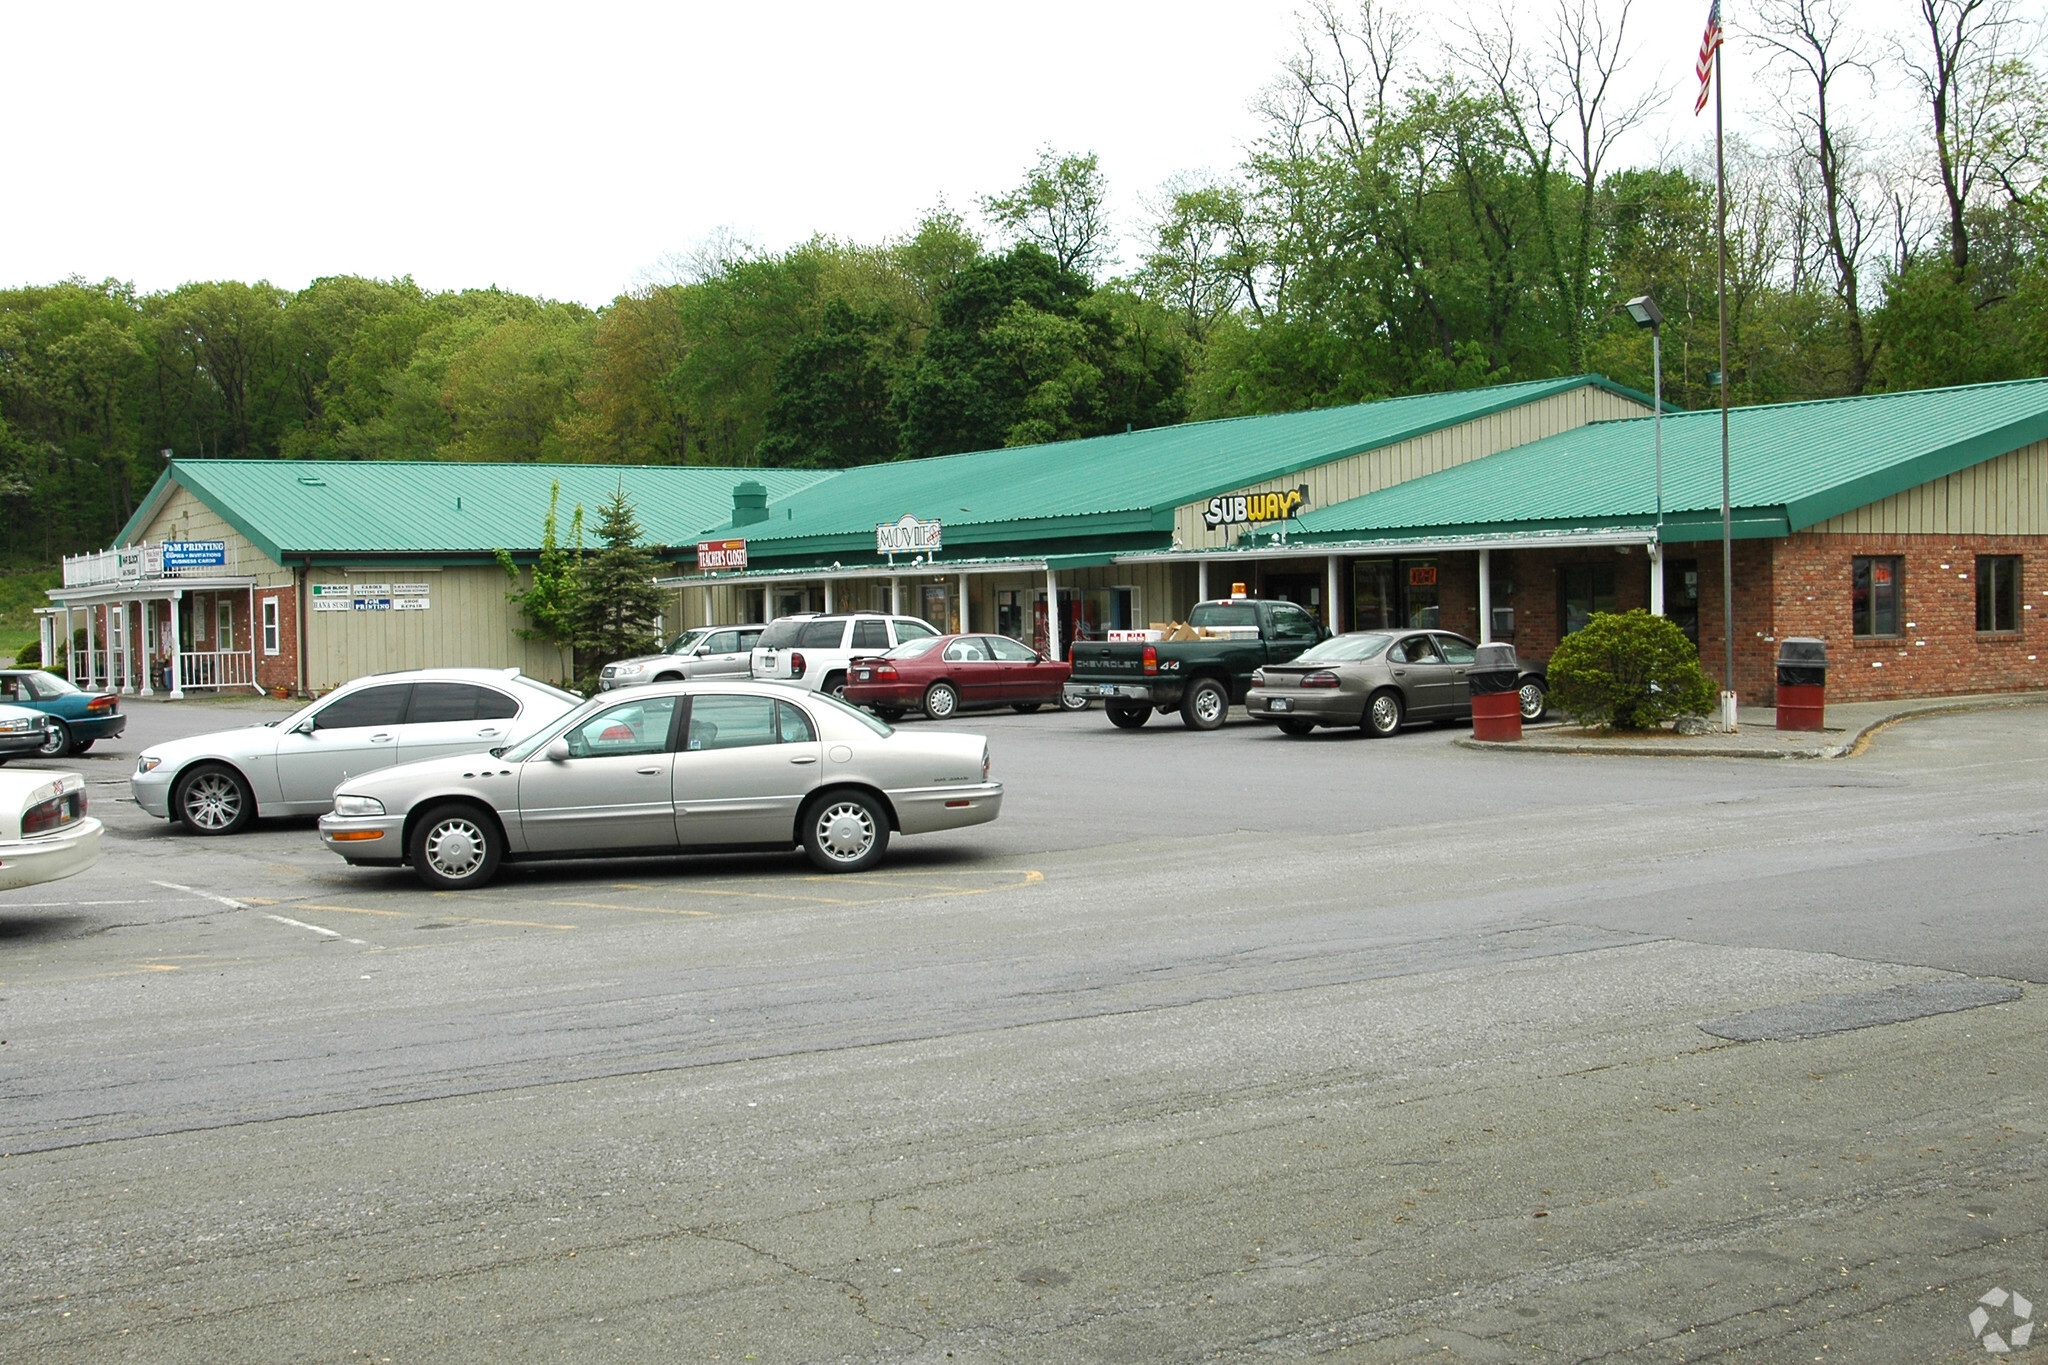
{"x": 749, "y": 503}
{"x": 312, "y": 481}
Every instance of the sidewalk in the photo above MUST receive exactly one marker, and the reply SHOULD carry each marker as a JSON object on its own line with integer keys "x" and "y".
{"x": 1849, "y": 724}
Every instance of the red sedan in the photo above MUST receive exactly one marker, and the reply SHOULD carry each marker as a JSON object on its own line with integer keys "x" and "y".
{"x": 947, "y": 673}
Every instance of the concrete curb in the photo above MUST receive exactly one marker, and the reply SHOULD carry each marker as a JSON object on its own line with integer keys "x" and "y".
{"x": 1849, "y": 743}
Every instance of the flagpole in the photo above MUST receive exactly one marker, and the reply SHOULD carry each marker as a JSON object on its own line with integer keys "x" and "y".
{"x": 1727, "y": 519}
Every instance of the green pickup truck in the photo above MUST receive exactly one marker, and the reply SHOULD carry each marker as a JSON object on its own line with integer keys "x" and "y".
{"x": 1201, "y": 678}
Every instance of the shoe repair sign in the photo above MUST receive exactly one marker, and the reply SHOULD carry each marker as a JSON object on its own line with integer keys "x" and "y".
{"x": 1236, "y": 509}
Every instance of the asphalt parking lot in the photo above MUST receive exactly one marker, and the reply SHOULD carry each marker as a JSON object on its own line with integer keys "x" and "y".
{"x": 1215, "y": 1046}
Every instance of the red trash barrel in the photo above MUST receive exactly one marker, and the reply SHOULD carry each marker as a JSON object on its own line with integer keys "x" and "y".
{"x": 1802, "y": 684}
{"x": 1495, "y": 681}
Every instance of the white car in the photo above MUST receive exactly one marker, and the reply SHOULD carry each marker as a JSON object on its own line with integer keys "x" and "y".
{"x": 812, "y": 651}
{"x": 220, "y": 782}
{"x": 45, "y": 833}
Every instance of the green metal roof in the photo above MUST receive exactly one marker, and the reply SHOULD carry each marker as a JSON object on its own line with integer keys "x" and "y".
{"x": 430, "y": 509}
{"x": 1791, "y": 466}
{"x": 1110, "y": 486}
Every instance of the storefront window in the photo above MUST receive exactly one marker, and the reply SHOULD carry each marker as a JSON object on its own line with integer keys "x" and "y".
{"x": 1389, "y": 594}
{"x": 1998, "y": 592}
{"x": 1874, "y": 583}
{"x": 934, "y": 607}
{"x": 1010, "y": 613}
{"x": 1420, "y": 599}
{"x": 1582, "y": 590}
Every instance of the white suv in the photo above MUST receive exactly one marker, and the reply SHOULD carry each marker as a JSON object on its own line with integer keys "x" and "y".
{"x": 812, "y": 651}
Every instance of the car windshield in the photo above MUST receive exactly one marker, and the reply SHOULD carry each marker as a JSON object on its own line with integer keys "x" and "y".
{"x": 687, "y": 638}
{"x": 533, "y": 743}
{"x": 911, "y": 649}
{"x": 782, "y": 634}
{"x": 827, "y": 699}
{"x": 1360, "y": 644}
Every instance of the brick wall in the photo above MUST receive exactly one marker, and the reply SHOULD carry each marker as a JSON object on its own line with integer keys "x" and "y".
{"x": 1940, "y": 651}
{"x": 282, "y": 668}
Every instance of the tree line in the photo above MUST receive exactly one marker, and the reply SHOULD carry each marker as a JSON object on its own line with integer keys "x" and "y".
{"x": 1421, "y": 209}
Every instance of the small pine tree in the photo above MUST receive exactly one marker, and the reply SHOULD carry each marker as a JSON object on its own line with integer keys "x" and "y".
{"x": 550, "y": 600}
{"x": 617, "y": 613}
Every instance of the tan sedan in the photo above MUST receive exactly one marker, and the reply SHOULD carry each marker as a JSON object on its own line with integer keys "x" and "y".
{"x": 1378, "y": 680}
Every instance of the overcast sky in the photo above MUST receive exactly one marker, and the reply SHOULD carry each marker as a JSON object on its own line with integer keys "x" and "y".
{"x": 566, "y": 150}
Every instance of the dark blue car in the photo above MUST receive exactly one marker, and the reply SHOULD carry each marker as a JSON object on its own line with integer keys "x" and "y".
{"x": 78, "y": 719}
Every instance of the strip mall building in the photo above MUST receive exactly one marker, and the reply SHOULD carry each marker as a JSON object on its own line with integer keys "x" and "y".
{"x": 1904, "y": 529}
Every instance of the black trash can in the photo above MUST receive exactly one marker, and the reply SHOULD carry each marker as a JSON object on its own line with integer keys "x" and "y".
{"x": 1802, "y": 684}
{"x": 1495, "y": 681}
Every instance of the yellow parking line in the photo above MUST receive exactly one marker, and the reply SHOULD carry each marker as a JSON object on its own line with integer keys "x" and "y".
{"x": 414, "y": 914}
{"x": 637, "y": 909}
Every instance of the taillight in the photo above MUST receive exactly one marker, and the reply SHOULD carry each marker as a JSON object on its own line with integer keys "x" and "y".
{"x": 796, "y": 664}
{"x": 984, "y": 762}
{"x": 106, "y": 703}
{"x": 1258, "y": 677}
{"x": 54, "y": 813}
{"x": 885, "y": 672}
{"x": 1325, "y": 679}
{"x": 1151, "y": 659}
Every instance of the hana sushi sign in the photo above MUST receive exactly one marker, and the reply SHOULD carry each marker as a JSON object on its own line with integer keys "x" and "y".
{"x": 908, "y": 536}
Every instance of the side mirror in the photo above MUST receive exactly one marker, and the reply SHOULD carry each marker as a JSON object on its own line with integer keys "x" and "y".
{"x": 306, "y": 727}
{"x": 558, "y": 750}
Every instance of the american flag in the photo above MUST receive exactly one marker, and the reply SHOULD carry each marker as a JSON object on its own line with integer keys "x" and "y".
{"x": 1710, "y": 43}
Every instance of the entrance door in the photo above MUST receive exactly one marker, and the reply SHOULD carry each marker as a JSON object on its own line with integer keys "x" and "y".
{"x": 1682, "y": 596}
{"x": 353, "y": 734}
{"x": 612, "y": 791}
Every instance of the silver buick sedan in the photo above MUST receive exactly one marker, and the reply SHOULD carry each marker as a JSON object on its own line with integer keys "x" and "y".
{"x": 670, "y": 768}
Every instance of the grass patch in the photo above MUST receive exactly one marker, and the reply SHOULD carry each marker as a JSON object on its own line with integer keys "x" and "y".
{"x": 21, "y": 592}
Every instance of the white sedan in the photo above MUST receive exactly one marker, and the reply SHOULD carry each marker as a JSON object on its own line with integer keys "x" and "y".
{"x": 45, "y": 833}
{"x": 219, "y": 783}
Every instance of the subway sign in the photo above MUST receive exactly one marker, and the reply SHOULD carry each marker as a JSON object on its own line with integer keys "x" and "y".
{"x": 1237, "y": 509}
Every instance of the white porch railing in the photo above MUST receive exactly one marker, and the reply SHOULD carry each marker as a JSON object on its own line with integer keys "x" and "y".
{"x": 217, "y": 668}
{"x": 89, "y": 668}
{"x": 142, "y": 563}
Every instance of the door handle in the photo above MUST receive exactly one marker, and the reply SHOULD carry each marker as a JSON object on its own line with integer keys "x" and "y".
{"x": 1400, "y": 672}
{"x": 648, "y": 772}
{"x": 805, "y": 758}
{"x": 487, "y": 732}
{"x": 381, "y": 739}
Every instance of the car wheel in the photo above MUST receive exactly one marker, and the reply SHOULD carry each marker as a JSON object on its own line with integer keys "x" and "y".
{"x": 1205, "y": 705}
{"x": 834, "y": 686}
{"x": 56, "y": 740}
{"x": 845, "y": 831}
{"x": 670, "y": 677}
{"x": 1124, "y": 716}
{"x": 1024, "y": 708}
{"x": 940, "y": 700}
{"x": 79, "y": 746}
{"x": 1535, "y": 700}
{"x": 891, "y": 714}
{"x": 1070, "y": 702}
{"x": 1383, "y": 714}
{"x": 1297, "y": 727}
{"x": 454, "y": 848}
{"x": 213, "y": 799}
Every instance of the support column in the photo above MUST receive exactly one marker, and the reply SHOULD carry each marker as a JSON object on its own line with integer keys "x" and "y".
{"x": 70, "y": 654}
{"x": 828, "y": 597}
{"x": 1201, "y": 580}
{"x": 1052, "y": 616}
{"x": 964, "y": 626}
{"x": 1486, "y": 597}
{"x": 118, "y": 638}
{"x": 1333, "y": 619}
{"x": 177, "y": 692}
{"x": 91, "y": 619}
{"x": 895, "y": 597}
{"x": 148, "y": 647}
{"x": 1656, "y": 578}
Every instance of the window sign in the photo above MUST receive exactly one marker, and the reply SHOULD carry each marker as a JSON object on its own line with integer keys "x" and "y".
{"x": 331, "y": 596}
{"x": 195, "y": 554}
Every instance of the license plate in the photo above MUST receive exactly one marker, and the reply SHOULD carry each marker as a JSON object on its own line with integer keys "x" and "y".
{"x": 860, "y": 673}
{"x": 1105, "y": 689}
{"x": 1280, "y": 704}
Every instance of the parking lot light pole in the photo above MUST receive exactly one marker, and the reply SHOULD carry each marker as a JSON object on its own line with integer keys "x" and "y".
{"x": 1646, "y": 313}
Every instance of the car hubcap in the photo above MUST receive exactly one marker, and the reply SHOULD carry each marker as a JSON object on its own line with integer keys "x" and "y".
{"x": 455, "y": 848}
{"x": 942, "y": 703}
{"x": 1386, "y": 713}
{"x": 846, "y": 831}
{"x": 1208, "y": 705}
{"x": 1532, "y": 701}
{"x": 213, "y": 802}
{"x": 53, "y": 742}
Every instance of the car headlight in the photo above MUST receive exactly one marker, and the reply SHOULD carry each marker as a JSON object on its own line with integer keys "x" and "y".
{"x": 19, "y": 727}
{"x": 627, "y": 670}
{"x": 148, "y": 763}
{"x": 358, "y": 805}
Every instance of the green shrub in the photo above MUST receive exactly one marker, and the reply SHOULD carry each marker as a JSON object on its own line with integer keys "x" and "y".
{"x": 1628, "y": 671}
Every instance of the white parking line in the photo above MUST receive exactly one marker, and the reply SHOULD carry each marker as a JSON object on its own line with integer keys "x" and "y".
{"x": 234, "y": 904}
